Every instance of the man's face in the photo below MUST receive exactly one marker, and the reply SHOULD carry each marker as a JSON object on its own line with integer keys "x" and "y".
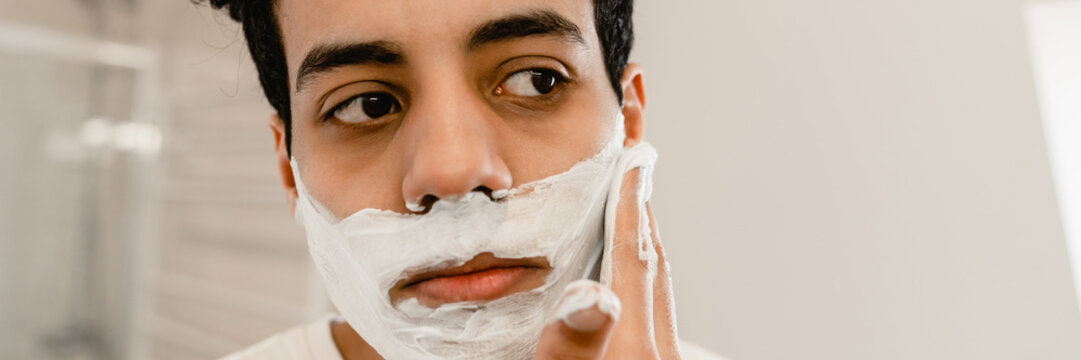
{"x": 421, "y": 100}
{"x": 443, "y": 109}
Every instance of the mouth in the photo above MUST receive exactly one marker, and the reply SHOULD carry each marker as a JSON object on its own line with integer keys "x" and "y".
{"x": 483, "y": 278}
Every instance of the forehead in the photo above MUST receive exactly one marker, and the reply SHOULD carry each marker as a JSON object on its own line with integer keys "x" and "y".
{"x": 431, "y": 25}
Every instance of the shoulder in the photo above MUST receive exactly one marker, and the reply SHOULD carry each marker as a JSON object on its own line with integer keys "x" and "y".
{"x": 313, "y": 341}
{"x": 690, "y": 351}
{"x": 303, "y": 342}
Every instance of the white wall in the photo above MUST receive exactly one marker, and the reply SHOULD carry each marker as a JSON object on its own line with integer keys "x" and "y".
{"x": 853, "y": 179}
{"x": 1055, "y": 39}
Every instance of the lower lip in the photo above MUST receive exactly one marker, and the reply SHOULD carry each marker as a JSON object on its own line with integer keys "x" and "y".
{"x": 482, "y": 285}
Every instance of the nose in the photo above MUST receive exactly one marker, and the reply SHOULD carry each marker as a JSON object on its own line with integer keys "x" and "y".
{"x": 453, "y": 151}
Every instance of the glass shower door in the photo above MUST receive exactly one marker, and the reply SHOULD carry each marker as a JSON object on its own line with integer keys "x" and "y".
{"x": 77, "y": 153}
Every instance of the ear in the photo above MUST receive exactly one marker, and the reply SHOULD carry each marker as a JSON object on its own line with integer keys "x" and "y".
{"x": 285, "y": 169}
{"x": 634, "y": 103}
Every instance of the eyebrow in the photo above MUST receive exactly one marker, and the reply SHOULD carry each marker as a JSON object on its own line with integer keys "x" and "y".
{"x": 542, "y": 22}
{"x": 327, "y": 57}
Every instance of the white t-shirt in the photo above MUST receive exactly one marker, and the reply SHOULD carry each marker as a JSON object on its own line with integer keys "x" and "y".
{"x": 313, "y": 341}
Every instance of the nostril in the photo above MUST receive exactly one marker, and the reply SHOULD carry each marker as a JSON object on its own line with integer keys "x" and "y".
{"x": 426, "y": 203}
{"x": 423, "y": 206}
{"x": 484, "y": 189}
{"x": 494, "y": 195}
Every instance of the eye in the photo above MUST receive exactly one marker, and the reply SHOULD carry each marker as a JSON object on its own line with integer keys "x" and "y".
{"x": 532, "y": 82}
{"x": 365, "y": 107}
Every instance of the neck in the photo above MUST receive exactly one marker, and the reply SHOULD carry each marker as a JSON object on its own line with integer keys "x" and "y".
{"x": 350, "y": 344}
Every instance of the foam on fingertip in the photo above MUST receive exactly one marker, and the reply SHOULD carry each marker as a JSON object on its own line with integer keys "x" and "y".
{"x": 582, "y": 295}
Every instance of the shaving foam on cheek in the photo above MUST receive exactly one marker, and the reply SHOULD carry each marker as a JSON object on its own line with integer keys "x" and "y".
{"x": 642, "y": 159}
{"x": 561, "y": 218}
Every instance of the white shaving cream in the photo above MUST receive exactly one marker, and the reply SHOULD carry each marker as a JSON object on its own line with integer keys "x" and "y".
{"x": 584, "y": 294}
{"x": 560, "y": 218}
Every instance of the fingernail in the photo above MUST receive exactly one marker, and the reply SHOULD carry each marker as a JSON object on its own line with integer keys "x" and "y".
{"x": 586, "y": 320}
{"x": 586, "y": 305}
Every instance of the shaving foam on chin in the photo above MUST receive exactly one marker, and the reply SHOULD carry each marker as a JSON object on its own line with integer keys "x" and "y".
{"x": 561, "y": 218}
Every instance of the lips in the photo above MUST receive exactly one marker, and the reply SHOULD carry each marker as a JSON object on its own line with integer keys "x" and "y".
{"x": 484, "y": 278}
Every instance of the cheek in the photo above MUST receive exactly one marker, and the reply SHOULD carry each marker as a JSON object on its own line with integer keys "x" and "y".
{"x": 594, "y": 113}
{"x": 575, "y": 133}
{"x": 345, "y": 179}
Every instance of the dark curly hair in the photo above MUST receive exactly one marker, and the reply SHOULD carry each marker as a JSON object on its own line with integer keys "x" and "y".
{"x": 263, "y": 34}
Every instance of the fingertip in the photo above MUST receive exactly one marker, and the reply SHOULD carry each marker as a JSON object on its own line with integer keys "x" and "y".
{"x": 586, "y": 320}
{"x": 585, "y": 301}
{"x": 582, "y": 324}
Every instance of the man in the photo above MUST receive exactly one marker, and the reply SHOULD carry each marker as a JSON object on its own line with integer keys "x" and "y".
{"x": 393, "y": 113}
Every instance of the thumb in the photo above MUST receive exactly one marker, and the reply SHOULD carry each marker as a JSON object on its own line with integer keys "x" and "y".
{"x": 587, "y": 313}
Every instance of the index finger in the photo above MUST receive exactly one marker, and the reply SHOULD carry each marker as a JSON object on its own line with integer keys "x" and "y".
{"x": 627, "y": 228}
{"x": 630, "y": 257}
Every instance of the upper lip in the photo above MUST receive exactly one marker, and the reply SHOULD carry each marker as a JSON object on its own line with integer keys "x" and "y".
{"x": 481, "y": 262}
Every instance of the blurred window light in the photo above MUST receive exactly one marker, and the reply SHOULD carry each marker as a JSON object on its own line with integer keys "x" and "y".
{"x": 1055, "y": 41}
{"x": 95, "y": 132}
{"x": 143, "y": 139}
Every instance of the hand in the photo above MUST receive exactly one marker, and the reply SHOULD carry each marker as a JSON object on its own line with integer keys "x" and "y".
{"x": 635, "y": 319}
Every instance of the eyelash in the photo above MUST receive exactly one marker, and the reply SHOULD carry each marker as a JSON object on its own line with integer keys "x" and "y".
{"x": 560, "y": 79}
{"x": 341, "y": 105}
{"x": 334, "y": 109}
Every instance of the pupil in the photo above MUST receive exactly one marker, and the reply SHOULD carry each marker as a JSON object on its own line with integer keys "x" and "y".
{"x": 377, "y": 105}
{"x": 543, "y": 81}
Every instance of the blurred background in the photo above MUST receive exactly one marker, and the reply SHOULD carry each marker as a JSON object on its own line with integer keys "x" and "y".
{"x": 839, "y": 179}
